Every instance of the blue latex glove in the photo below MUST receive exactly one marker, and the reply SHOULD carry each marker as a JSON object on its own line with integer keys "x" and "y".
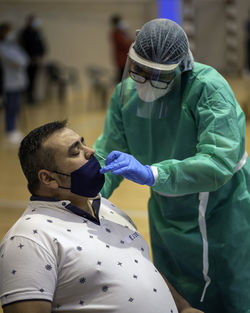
{"x": 120, "y": 163}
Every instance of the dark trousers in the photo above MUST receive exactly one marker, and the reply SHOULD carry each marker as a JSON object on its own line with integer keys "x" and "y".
{"x": 32, "y": 72}
{"x": 12, "y": 102}
{"x": 248, "y": 55}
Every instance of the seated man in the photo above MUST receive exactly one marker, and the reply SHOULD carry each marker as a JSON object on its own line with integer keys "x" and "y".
{"x": 72, "y": 250}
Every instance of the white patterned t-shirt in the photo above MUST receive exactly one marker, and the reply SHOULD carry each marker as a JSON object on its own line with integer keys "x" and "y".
{"x": 58, "y": 253}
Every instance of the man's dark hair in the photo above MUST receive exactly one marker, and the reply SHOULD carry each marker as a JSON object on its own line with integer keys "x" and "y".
{"x": 32, "y": 155}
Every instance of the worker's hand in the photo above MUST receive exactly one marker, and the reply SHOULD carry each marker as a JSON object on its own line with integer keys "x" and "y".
{"x": 191, "y": 310}
{"x": 120, "y": 163}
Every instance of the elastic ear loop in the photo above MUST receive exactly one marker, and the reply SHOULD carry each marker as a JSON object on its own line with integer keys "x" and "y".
{"x": 61, "y": 173}
{"x": 64, "y": 175}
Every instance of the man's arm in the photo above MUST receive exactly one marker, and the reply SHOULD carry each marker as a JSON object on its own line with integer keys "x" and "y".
{"x": 182, "y": 305}
{"x": 38, "y": 306}
{"x": 32, "y": 288}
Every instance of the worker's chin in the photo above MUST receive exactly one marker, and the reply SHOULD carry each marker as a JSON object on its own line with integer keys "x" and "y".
{"x": 149, "y": 97}
{"x": 147, "y": 93}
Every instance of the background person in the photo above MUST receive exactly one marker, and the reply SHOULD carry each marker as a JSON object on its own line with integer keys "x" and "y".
{"x": 32, "y": 41}
{"x": 13, "y": 63}
{"x": 120, "y": 42}
{"x": 85, "y": 254}
{"x": 179, "y": 129}
{"x": 247, "y": 29}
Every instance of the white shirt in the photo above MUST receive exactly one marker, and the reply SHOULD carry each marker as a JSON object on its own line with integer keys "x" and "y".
{"x": 79, "y": 263}
{"x": 14, "y": 61}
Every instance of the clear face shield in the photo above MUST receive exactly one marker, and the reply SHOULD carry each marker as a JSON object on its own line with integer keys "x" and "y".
{"x": 147, "y": 83}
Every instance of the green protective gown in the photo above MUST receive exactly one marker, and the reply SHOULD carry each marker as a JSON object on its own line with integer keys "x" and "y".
{"x": 199, "y": 208}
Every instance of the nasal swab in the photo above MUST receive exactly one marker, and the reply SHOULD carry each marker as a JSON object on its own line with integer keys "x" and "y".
{"x": 100, "y": 156}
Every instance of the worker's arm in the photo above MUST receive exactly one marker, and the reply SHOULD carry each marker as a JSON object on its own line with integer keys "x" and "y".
{"x": 38, "y": 306}
{"x": 182, "y": 305}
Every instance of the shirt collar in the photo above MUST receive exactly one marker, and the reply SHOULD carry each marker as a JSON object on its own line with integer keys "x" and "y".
{"x": 75, "y": 210}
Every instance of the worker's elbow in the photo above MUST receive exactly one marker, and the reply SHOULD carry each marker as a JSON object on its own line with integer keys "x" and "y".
{"x": 220, "y": 179}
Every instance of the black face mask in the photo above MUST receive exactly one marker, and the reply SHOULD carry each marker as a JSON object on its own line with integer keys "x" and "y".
{"x": 86, "y": 181}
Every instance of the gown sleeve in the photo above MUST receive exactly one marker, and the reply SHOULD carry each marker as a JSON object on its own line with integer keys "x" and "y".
{"x": 218, "y": 148}
{"x": 112, "y": 138}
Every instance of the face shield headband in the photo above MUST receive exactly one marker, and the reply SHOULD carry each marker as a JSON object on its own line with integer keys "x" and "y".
{"x": 150, "y": 64}
{"x": 86, "y": 181}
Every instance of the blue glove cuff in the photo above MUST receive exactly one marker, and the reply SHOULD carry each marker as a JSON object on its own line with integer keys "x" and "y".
{"x": 150, "y": 179}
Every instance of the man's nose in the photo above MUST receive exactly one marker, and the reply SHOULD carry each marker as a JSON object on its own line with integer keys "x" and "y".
{"x": 88, "y": 152}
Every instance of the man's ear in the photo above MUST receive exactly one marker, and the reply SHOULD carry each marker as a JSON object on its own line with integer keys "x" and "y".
{"x": 47, "y": 179}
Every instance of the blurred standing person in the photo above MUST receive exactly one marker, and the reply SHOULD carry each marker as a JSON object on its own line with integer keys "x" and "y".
{"x": 14, "y": 61}
{"x": 121, "y": 41}
{"x": 247, "y": 27}
{"x": 33, "y": 43}
{"x": 1, "y": 85}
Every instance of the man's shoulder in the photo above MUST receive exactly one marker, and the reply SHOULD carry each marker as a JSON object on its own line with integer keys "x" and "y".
{"x": 37, "y": 216}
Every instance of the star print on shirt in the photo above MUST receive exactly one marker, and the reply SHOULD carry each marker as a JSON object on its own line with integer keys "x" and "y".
{"x": 48, "y": 267}
{"x": 79, "y": 248}
{"x": 35, "y": 231}
{"x": 82, "y": 280}
{"x": 130, "y": 299}
{"x": 49, "y": 221}
{"x": 20, "y": 246}
{"x": 81, "y": 302}
{"x": 13, "y": 272}
{"x": 105, "y": 288}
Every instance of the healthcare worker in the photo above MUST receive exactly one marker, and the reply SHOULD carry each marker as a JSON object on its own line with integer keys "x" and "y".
{"x": 174, "y": 124}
